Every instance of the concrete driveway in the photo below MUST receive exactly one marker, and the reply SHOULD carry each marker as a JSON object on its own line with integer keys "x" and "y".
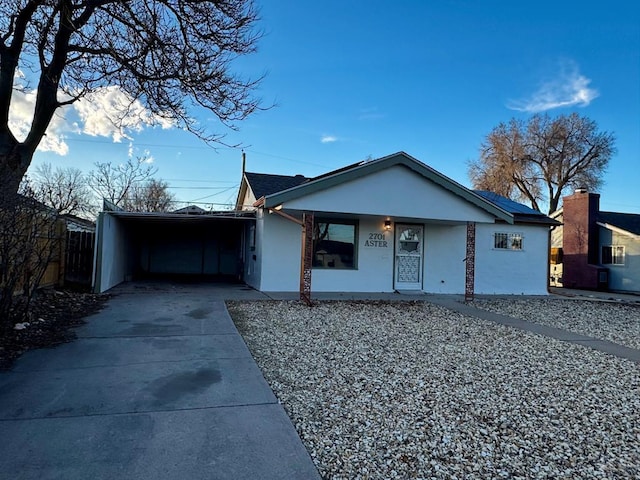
{"x": 159, "y": 385}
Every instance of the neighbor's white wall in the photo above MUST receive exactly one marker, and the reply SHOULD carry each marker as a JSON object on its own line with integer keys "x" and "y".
{"x": 395, "y": 192}
{"x": 115, "y": 252}
{"x": 623, "y": 277}
{"x": 444, "y": 251}
{"x": 516, "y": 272}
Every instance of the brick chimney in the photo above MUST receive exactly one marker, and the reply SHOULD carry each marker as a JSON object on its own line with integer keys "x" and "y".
{"x": 580, "y": 239}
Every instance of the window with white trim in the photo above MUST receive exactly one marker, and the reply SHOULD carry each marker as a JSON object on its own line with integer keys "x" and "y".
{"x": 612, "y": 255}
{"x": 507, "y": 241}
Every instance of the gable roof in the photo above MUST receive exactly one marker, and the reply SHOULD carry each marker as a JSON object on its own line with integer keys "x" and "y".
{"x": 629, "y": 222}
{"x": 521, "y": 213}
{"x": 360, "y": 169}
{"x": 263, "y": 184}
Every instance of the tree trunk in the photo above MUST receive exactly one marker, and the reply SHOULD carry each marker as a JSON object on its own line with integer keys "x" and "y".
{"x": 14, "y": 162}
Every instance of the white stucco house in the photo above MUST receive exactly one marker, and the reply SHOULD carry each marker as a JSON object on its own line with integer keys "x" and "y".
{"x": 384, "y": 225}
{"x": 391, "y": 224}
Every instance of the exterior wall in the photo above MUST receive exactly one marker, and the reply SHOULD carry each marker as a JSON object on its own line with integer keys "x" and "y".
{"x": 394, "y": 192}
{"x": 113, "y": 262}
{"x": 623, "y": 277}
{"x": 253, "y": 253}
{"x": 555, "y": 269}
{"x": 513, "y": 272}
{"x": 279, "y": 256}
{"x": 247, "y": 200}
{"x": 375, "y": 264}
{"x": 444, "y": 253}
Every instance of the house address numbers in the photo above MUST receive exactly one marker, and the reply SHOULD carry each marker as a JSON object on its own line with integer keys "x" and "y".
{"x": 376, "y": 240}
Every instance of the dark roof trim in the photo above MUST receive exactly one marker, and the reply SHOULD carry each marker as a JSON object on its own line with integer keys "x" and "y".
{"x": 629, "y": 222}
{"x": 365, "y": 168}
{"x": 230, "y": 214}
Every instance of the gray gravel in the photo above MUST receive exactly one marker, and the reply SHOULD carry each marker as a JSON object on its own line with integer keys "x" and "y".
{"x": 411, "y": 390}
{"x": 619, "y": 323}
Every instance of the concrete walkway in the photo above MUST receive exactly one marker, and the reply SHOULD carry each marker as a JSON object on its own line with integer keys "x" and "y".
{"x": 453, "y": 302}
{"x": 159, "y": 385}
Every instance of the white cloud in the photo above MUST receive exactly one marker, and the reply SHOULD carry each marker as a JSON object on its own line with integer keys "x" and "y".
{"x": 328, "y": 139}
{"x": 569, "y": 88}
{"x": 371, "y": 113}
{"x": 108, "y": 112}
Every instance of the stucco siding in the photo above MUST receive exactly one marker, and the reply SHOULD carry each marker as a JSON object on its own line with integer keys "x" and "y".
{"x": 500, "y": 271}
{"x": 279, "y": 257}
{"x": 374, "y": 272}
{"x": 395, "y": 192}
{"x": 444, "y": 253}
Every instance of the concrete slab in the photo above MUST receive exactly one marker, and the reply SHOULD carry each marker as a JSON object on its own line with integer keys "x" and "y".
{"x": 246, "y": 442}
{"x": 101, "y": 352}
{"x": 143, "y": 387}
{"x": 159, "y": 385}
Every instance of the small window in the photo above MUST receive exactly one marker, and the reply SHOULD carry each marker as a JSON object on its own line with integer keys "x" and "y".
{"x": 334, "y": 244}
{"x": 507, "y": 241}
{"x": 252, "y": 237}
{"x": 612, "y": 255}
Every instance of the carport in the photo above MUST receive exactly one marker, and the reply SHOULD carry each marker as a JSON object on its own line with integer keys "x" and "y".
{"x": 141, "y": 246}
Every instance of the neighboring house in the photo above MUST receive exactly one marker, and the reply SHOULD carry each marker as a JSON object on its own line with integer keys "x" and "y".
{"x": 257, "y": 185}
{"x": 391, "y": 224}
{"x": 593, "y": 249}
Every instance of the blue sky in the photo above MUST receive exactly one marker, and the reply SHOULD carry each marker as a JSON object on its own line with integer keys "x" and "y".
{"x": 359, "y": 79}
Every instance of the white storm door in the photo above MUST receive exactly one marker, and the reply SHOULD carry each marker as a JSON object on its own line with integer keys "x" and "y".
{"x": 408, "y": 261}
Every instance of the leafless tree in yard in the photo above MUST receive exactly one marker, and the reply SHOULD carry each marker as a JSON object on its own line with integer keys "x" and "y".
{"x": 63, "y": 189}
{"x": 150, "y": 196}
{"x": 171, "y": 56}
{"x": 538, "y": 161}
{"x": 115, "y": 182}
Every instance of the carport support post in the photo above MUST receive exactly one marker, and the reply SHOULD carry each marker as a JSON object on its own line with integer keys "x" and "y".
{"x": 306, "y": 258}
{"x": 470, "y": 270}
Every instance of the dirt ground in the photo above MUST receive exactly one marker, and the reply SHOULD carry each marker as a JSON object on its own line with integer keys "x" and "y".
{"x": 51, "y": 319}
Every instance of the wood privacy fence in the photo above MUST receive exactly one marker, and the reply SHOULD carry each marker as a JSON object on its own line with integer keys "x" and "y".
{"x": 78, "y": 258}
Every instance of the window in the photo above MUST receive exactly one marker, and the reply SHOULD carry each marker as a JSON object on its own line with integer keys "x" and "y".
{"x": 334, "y": 244}
{"x": 612, "y": 255}
{"x": 507, "y": 241}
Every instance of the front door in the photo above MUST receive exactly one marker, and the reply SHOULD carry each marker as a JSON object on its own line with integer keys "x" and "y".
{"x": 408, "y": 264}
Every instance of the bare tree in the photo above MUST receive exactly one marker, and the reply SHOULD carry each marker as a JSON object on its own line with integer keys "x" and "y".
{"x": 30, "y": 236}
{"x": 170, "y": 55}
{"x": 150, "y": 196}
{"x": 537, "y": 161}
{"x": 116, "y": 182}
{"x": 63, "y": 189}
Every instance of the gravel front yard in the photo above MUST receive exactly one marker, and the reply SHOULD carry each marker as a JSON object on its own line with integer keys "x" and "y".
{"x": 381, "y": 390}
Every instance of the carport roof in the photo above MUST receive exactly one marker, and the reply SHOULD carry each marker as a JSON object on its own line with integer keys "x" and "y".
{"x": 224, "y": 214}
